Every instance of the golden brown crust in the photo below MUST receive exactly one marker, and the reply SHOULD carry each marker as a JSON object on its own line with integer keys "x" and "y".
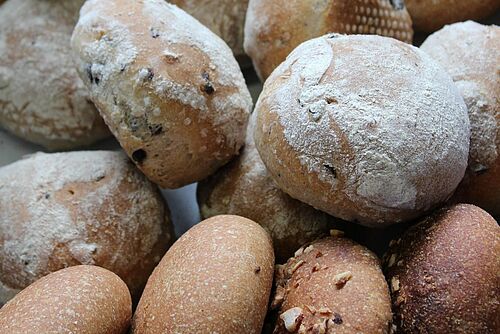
{"x": 215, "y": 279}
{"x": 333, "y": 285}
{"x": 444, "y": 273}
{"x": 81, "y": 299}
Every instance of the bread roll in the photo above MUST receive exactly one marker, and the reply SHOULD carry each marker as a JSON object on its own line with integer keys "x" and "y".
{"x": 429, "y": 16}
{"x": 215, "y": 279}
{"x": 169, "y": 89}
{"x": 444, "y": 274}
{"x": 470, "y": 52}
{"x": 42, "y": 98}
{"x": 274, "y": 28}
{"x": 65, "y": 209}
{"x": 365, "y": 128}
{"x": 332, "y": 286}
{"x": 81, "y": 299}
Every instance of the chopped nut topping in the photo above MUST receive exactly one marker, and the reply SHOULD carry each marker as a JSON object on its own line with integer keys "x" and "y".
{"x": 292, "y": 319}
{"x": 297, "y": 266}
{"x": 302, "y": 329}
{"x": 400, "y": 300}
{"x": 325, "y": 310}
{"x": 311, "y": 309}
{"x": 394, "y": 284}
{"x": 342, "y": 278}
{"x": 319, "y": 328}
{"x": 392, "y": 260}
{"x": 337, "y": 233}
{"x": 308, "y": 249}
{"x": 299, "y": 252}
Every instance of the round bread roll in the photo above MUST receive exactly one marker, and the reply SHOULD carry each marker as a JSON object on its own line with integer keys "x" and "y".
{"x": 365, "y": 128}
{"x": 81, "y": 299}
{"x": 215, "y": 279}
{"x": 226, "y": 18}
{"x": 274, "y": 28}
{"x": 65, "y": 209}
{"x": 169, "y": 89}
{"x": 42, "y": 98}
{"x": 470, "y": 52}
{"x": 333, "y": 285}
{"x": 444, "y": 274}
{"x": 429, "y": 16}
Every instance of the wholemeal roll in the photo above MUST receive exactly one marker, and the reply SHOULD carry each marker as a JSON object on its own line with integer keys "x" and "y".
{"x": 65, "y": 209}
{"x": 42, "y": 98}
{"x": 215, "y": 279}
{"x": 274, "y": 28}
{"x": 470, "y": 52}
{"x": 333, "y": 285}
{"x": 429, "y": 16}
{"x": 365, "y": 128}
{"x": 169, "y": 89}
{"x": 81, "y": 299}
{"x": 444, "y": 274}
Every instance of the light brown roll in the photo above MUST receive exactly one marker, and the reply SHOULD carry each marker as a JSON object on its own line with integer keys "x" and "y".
{"x": 81, "y": 299}
{"x": 65, "y": 209}
{"x": 215, "y": 279}
{"x": 365, "y": 128}
{"x": 169, "y": 89}
{"x": 274, "y": 28}
{"x": 333, "y": 285}
{"x": 470, "y": 52}
{"x": 444, "y": 274}
{"x": 429, "y": 16}
{"x": 42, "y": 98}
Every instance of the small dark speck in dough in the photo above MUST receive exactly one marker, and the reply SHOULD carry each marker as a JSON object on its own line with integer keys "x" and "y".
{"x": 207, "y": 87}
{"x": 139, "y": 155}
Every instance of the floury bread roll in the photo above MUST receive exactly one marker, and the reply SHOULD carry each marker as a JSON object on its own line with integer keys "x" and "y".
{"x": 274, "y": 28}
{"x": 169, "y": 89}
{"x": 444, "y": 274}
{"x": 81, "y": 299}
{"x": 65, "y": 209}
{"x": 470, "y": 52}
{"x": 365, "y": 128}
{"x": 42, "y": 98}
{"x": 215, "y": 279}
{"x": 431, "y": 15}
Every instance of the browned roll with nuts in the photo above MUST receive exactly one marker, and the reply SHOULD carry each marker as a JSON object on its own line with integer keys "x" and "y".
{"x": 444, "y": 274}
{"x": 429, "y": 16}
{"x": 65, "y": 209}
{"x": 81, "y": 299}
{"x": 274, "y": 28}
{"x": 470, "y": 52}
{"x": 332, "y": 285}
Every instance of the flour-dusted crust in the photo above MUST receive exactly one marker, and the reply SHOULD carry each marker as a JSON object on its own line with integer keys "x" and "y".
{"x": 470, "y": 52}
{"x": 366, "y": 128}
{"x": 274, "y": 28}
{"x": 429, "y": 16}
{"x": 332, "y": 285}
{"x": 80, "y": 299}
{"x": 65, "y": 209}
{"x": 444, "y": 274}
{"x": 169, "y": 89}
{"x": 216, "y": 278}
{"x": 42, "y": 98}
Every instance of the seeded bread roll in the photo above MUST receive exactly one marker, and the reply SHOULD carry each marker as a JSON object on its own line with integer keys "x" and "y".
{"x": 81, "y": 299}
{"x": 444, "y": 274}
{"x": 470, "y": 52}
{"x": 332, "y": 286}
{"x": 215, "y": 279}
{"x": 274, "y": 28}
{"x": 429, "y": 16}
{"x": 65, "y": 209}
{"x": 42, "y": 98}
{"x": 365, "y": 128}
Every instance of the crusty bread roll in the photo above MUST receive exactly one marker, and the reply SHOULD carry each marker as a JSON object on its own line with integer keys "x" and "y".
{"x": 274, "y": 28}
{"x": 365, "y": 128}
{"x": 226, "y": 18}
{"x": 42, "y": 98}
{"x": 65, "y": 209}
{"x": 81, "y": 299}
{"x": 429, "y": 16}
{"x": 333, "y": 285}
{"x": 215, "y": 279}
{"x": 169, "y": 89}
{"x": 444, "y": 274}
{"x": 470, "y": 52}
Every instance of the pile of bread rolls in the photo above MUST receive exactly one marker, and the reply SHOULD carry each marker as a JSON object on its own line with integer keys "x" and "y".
{"x": 357, "y": 138}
